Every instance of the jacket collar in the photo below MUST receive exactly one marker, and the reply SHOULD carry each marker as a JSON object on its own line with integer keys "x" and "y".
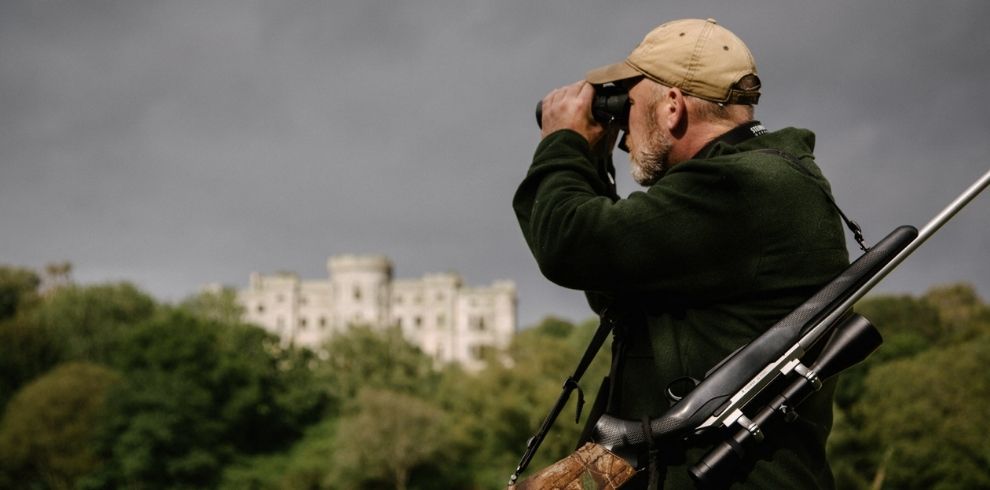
{"x": 733, "y": 137}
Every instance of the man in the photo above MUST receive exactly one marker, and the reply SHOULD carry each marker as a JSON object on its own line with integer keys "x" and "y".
{"x": 732, "y": 232}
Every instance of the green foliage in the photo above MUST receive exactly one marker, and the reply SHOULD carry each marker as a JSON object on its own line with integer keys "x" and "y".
{"x": 385, "y": 436}
{"x": 26, "y": 351}
{"x": 46, "y": 432}
{"x": 89, "y": 321}
{"x": 936, "y": 430}
{"x": 961, "y": 312}
{"x": 219, "y": 305}
{"x": 17, "y": 287}
{"x": 258, "y": 472}
{"x": 908, "y": 325}
{"x": 381, "y": 383}
{"x": 196, "y": 393}
{"x": 554, "y": 327}
{"x": 853, "y": 460}
{"x": 105, "y": 388}
{"x": 906, "y": 417}
{"x": 500, "y": 408}
{"x": 898, "y": 316}
{"x": 309, "y": 462}
{"x": 368, "y": 358}
{"x": 67, "y": 323}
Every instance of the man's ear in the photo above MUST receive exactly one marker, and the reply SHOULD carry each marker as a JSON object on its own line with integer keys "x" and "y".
{"x": 674, "y": 111}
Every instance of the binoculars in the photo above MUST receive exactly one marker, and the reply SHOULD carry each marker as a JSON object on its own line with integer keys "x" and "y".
{"x": 609, "y": 106}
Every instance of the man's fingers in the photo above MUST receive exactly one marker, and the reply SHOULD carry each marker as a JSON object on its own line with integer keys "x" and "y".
{"x": 586, "y": 90}
{"x": 569, "y": 107}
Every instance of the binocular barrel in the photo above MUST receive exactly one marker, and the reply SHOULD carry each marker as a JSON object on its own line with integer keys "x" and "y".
{"x": 849, "y": 344}
{"x": 610, "y": 106}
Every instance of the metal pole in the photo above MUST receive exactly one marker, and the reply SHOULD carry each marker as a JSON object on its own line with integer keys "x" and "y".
{"x": 950, "y": 211}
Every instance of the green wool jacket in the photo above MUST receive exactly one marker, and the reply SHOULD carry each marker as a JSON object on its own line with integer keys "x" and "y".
{"x": 698, "y": 264}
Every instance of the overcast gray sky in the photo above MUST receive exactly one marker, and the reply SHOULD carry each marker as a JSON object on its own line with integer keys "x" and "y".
{"x": 178, "y": 143}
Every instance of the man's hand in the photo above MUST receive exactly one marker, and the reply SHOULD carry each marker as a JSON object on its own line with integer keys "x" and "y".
{"x": 569, "y": 107}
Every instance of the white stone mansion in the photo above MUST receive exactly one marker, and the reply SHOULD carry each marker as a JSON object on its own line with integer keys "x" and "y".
{"x": 437, "y": 313}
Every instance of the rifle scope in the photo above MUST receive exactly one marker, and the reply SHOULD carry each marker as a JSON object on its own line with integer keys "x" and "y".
{"x": 850, "y": 343}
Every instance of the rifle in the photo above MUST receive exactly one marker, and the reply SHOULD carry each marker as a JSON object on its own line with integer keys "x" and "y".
{"x": 785, "y": 364}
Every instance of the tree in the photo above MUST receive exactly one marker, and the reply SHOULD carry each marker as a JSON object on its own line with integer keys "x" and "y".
{"x": 931, "y": 413}
{"x": 368, "y": 358}
{"x": 57, "y": 274}
{"x": 197, "y": 393}
{"x": 26, "y": 352}
{"x": 909, "y": 326}
{"x": 216, "y": 304}
{"x": 269, "y": 393}
{"x": 916, "y": 332}
{"x": 163, "y": 427}
{"x": 46, "y": 432}
{"x": 961, "y": 312}
{"x": 70, "y": 323}
{"x": 90, "y": 321}
{"x": 362, "y": 360}
{"x": 17, "y": 287}
{"x": 386, "y": 436}
{"x": 306, "y": 466}
{"x": 494, "y": 412}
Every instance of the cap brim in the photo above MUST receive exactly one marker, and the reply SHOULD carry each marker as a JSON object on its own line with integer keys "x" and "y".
{"x": 612, "y": 73}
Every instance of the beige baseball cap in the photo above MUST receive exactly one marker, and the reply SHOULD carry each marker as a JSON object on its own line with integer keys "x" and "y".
{"x": 699, "y": 57}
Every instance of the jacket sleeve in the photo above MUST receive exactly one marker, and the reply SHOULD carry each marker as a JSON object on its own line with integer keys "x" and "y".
{"x": 686, "y": 235}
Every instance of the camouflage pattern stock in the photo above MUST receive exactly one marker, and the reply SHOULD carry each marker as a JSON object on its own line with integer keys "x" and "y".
{"x": 590, "y": 467}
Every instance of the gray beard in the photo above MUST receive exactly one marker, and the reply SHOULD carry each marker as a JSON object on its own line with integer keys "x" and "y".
{"x": 651, "y": 163}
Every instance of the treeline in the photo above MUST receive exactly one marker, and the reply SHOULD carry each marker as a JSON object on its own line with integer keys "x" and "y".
{"x": 101, "y": 386}
{"x": 916, "y": 414}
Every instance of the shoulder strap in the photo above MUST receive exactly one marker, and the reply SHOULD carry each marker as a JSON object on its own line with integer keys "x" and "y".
{"x": 793, "y": 160}
{"x": 570, "y": 384}
{"x": 604, "y": 328}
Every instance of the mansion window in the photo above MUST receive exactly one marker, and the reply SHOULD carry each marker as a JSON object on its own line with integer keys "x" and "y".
{"x": 478, "y": 323}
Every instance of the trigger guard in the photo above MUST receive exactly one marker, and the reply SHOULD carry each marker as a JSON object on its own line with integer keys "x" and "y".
{"x": 675, "y": 389}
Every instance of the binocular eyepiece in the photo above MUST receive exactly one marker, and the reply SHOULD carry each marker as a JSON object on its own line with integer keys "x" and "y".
{"x": 609, "y": 106}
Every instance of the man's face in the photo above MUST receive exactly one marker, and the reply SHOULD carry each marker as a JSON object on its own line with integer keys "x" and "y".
{"x": 649, "y": 141}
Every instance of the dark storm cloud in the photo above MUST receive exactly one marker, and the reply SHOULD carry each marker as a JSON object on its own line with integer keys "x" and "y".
{"x": 180, "y": 143}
